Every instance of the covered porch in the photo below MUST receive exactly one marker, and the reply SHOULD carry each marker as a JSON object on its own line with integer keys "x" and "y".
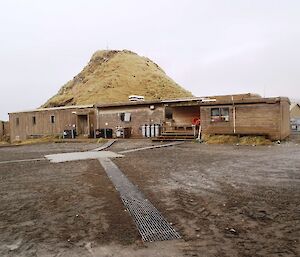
{"x": 181, "y": 121}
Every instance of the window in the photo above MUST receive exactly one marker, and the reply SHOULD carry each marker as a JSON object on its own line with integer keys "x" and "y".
{"x": 33, "y": 120}
{"x": 219, "y": 114}
{"x": 169, "y": 113}
{"x": 125, "y": 116}
{"x": 52, "y": 119}
{"x": 17, "y": 121}
{"x": 122, "y": 116}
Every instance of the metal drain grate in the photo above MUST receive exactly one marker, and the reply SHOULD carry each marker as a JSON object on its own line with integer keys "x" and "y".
{"x": 150, "y": 223}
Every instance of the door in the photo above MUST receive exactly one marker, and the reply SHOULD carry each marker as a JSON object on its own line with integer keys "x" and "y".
{"x": 82, "y": 125}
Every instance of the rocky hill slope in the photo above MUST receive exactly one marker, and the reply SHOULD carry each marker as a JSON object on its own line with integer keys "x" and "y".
{"x": 111, "y": 76}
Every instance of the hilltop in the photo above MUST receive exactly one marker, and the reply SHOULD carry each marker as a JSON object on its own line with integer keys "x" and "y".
{"x": 112, "y": 75}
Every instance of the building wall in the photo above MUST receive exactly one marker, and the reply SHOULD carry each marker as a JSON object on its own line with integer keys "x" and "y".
{"x": 1, "y": 129}
{"x": 295, "y": 112}
{"x": 4, "y": 130}
{"x": 185, "y": 114}
{"x": 271, "y": 119}
{"x": 140, "y": 114}
{"x": 64, "y": 119}
{"x": 259, "y": 119}
{"x": 285, "y": 119}
{"x": 209, "y": 127}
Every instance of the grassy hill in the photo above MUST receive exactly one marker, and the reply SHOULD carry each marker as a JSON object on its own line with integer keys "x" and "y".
{"x": 111, "y": 76}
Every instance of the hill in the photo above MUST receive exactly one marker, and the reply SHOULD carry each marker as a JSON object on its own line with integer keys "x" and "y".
{"x": 111, "y": 76}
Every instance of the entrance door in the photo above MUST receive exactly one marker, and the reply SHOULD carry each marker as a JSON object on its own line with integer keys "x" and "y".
{"x": 82, "y": 125}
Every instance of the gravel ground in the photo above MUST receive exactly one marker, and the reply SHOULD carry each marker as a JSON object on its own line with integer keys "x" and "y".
{"x": 224, "y": 200}
{"x": 59, "y": 209}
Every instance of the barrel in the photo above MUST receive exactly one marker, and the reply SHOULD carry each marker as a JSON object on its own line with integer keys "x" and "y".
{"x": 157, "y": 130}
{"x": 152, "y": 130}
{"x": 148, "y": 131}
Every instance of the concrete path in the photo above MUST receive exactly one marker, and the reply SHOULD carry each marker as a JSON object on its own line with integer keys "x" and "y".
{"x": 24, "y": 160}
{"x": 150, "y": 223}
{"x": 76, "y": 156}
{"x": 150, "y": 147}
{"x": 104, "y": 146}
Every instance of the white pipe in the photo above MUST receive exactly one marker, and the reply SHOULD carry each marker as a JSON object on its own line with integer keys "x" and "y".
{"x": 97, "y": 119}
{"x": 199, "y": 133}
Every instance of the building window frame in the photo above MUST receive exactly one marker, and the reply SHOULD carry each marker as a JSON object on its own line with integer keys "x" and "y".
{"x": 125, "y": 116}
{"x": 219, "y": 114}
{"x": 33, "y": 120}
{"x": 168, "y": 113}
{"x": 52, "y": 119}
{"x": 17, "y": 121}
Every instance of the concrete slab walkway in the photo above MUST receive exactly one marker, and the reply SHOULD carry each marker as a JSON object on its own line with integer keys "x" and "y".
{"x": 76, "y": 156}
{"x": 150, "y": 147}
{"x": 104, "y": 146}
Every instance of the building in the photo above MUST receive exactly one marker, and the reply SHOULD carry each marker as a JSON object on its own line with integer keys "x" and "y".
{"x": 295, "y": 116}
{"x": 295, "y": 111}
{"x": 244, "y": 114}
{"x": 4, "y": 130}
{"x": 131, "y": 115}
{"x": 51, "y": 121}
{"x": 247, "y": 116}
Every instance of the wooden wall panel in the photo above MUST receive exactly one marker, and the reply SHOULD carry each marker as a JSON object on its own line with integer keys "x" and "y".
{"x": 209, "y": 127}
{"x": 285, "y": 120}
{"x": 1, "y": 129}
{"x": 140, "y": 115}
{"x": 251, "y": 119}
{"x": 6, "y": 128}
{"x": 64, "y": 119}
{"x": 185, "y": 114}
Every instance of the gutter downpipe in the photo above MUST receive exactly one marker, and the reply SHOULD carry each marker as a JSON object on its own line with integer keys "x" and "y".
{"x": 97, "y": 121}
{"x": 234, "y": 120}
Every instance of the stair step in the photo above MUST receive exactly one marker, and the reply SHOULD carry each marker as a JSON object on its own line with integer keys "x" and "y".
{"x": 155, "y": 139}
{"x": 177, "y": 134}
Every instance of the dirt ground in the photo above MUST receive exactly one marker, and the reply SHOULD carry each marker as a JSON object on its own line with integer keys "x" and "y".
{"x": 224, "y": 200}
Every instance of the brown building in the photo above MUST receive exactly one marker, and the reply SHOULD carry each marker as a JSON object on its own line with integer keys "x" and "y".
{"x": 51, "y": 121}
{"x": 295, "y": 117}
{"x": 295, "y": 111}
{"x": 249, "y": 116}
{"x": 130, "y": 115}
{"x": 1, "y": 129}
{"x": 244, "y": 114}
{"x": 4, "y": 130}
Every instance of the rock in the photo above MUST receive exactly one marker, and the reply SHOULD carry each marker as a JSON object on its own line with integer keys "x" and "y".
{"x": 232, "y": 230}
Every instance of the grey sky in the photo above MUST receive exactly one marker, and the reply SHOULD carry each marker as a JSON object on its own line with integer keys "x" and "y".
{"x": 209, "y": 47}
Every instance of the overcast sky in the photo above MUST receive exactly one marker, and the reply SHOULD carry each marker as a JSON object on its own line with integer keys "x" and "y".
{"x": 209, "y": 47}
